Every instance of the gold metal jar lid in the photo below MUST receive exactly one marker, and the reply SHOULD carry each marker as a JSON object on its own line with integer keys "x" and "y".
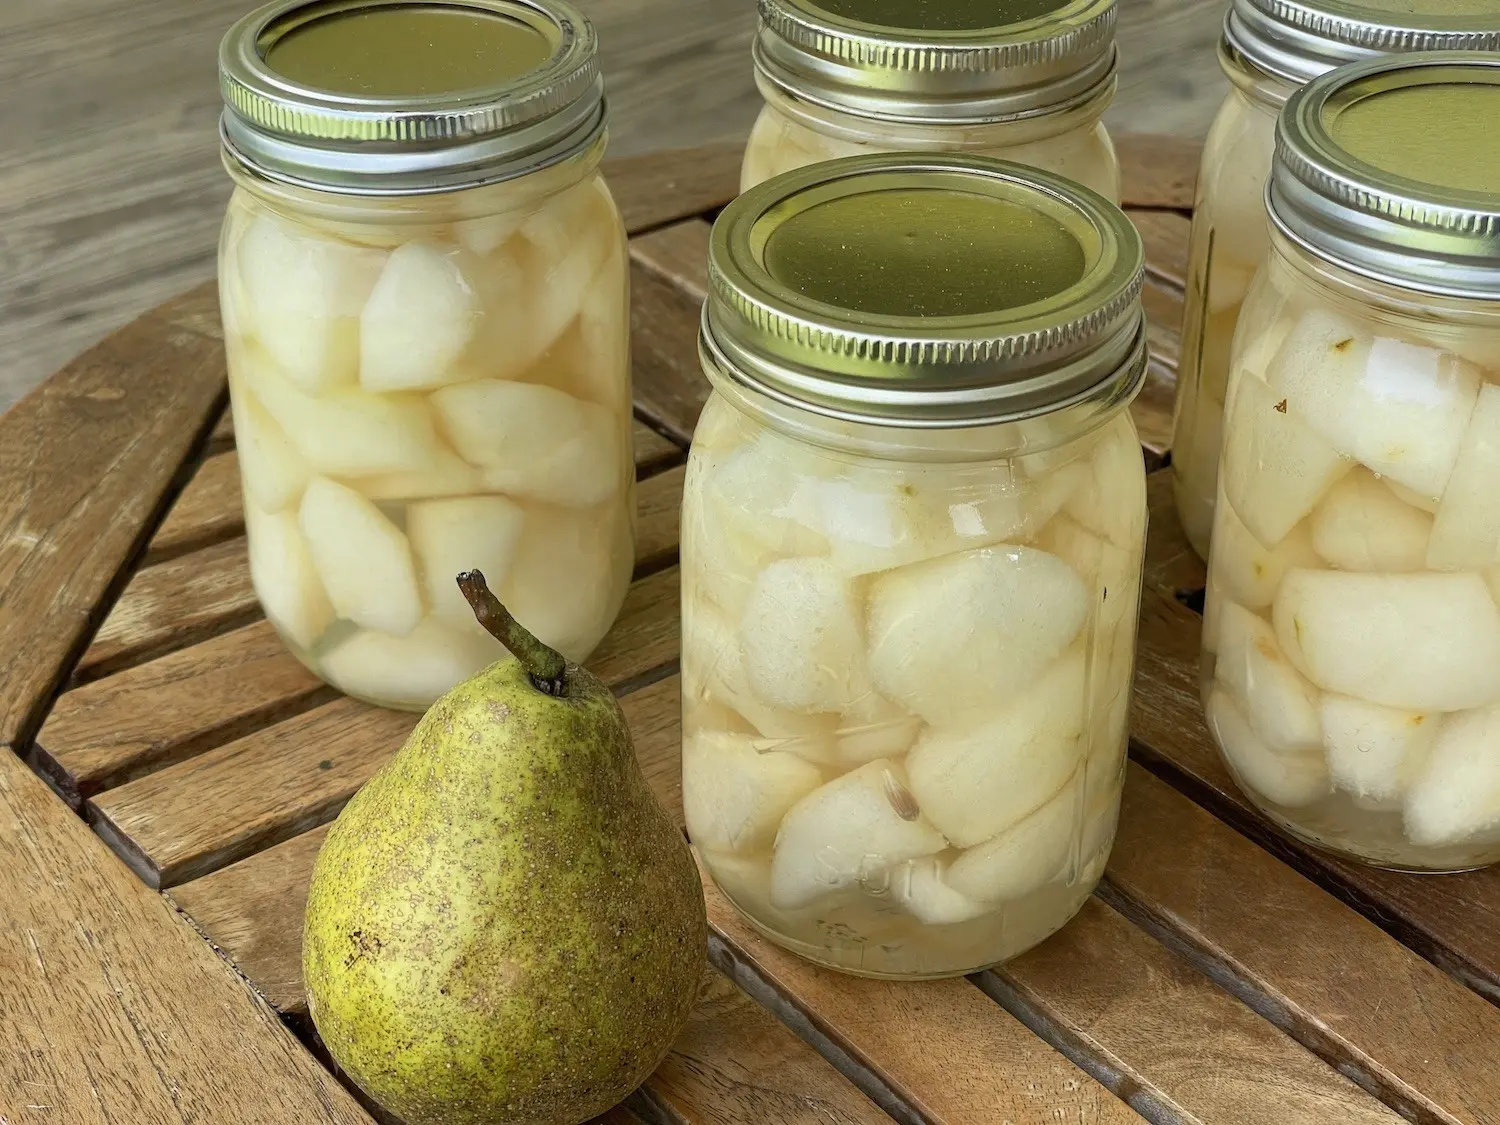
{"x": 939, "y": 61}
{"x": 394, "y": 97}
{"x": 1297, "y": 40}
{"x": 1391, "y": 169}
{"x": 925, "y": 291}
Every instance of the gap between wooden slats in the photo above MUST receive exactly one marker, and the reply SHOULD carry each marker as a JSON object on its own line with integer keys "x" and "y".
{"x": 1157, "y": 171}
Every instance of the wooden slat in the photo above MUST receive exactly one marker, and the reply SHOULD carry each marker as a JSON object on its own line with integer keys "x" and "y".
{"x": 1165, "y": 235}
{"x": 208, "y": 511}
{"x": 941, "y": 1048}
{"x": 85, "y": 462}
{"x": 171, "y": 605}
{"x": 735, "y": 1063}
{"x": 194, "y": 597}
{"x": 1143, "y": 1020}
{"x": 1172, "y": 566}
{"x": 653, "y": 453}
{"x": 657, "y": 188}
{"x": 670, "y": 387}
{"x": 1330, "y": 978}
{"x": 196, "y": 816}
{"x": 113, "y": 1010}
{"x": 678, "y": 254}
{"x": 250, "y": 910}
{"x": 658, "y": 511}
{"x": 1164, "y": 318}
{"x": 655, "y": 716}
{"x": 1157, "y": 170}
{"x": 1453, "y": 921}
{"x": 107, "y": 732}
{"x": 221, "y": 439}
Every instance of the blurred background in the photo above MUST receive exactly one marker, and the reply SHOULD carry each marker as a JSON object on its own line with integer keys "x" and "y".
{"x": 111, "y": 190}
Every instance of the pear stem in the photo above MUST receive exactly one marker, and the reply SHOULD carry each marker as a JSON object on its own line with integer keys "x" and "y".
{"x": 544, "y": 666}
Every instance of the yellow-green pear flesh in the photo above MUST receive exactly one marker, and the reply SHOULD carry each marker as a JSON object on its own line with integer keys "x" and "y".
{"x": 504, "y": 925}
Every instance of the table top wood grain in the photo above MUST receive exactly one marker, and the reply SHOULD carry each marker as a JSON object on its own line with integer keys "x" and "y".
{"x": 111, "y": 191}
{"x": 1220, "y": 975}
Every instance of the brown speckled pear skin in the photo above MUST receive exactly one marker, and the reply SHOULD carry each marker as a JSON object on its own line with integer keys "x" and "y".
{"x": 504, "y": 927}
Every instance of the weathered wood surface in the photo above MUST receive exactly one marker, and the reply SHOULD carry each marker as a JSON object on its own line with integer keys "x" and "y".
{"x": 1154, "y": 1023}
{"x": 87, "y": 461}
{"x": 109, "y": 731}
{"x": 930, "y": 1048}
{"x": 1312, "y": 965}
{"x": 1221, "y": 975}
{"x": 1157, "y": 171}
{"x": 112, "y": 1009}
{"x": 736, "y": 1063}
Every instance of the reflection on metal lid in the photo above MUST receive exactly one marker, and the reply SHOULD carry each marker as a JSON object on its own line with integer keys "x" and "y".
{"x": 1391, "y": 168}
{"x": 924, "y": 290}
{"x": 393, "y": 97}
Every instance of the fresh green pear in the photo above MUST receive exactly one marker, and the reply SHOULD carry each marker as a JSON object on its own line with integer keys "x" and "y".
{"x": 504, "y": 927}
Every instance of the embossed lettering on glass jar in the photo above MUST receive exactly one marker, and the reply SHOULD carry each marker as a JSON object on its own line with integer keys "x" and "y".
{"x": 424, "y": 290}
{"x": 913, "y": 526}
{"x": 1024, "y": 80}
{"x": 1351, "y": 634}
{"x": 1269, "y": 49}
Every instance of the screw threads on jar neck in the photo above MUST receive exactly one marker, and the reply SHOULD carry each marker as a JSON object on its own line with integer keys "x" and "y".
{"x": 925, "y": 291}
{"x": 1298, "y": 40}
{"x": 338, "y": 97}
{"x": 1041, "y": 64}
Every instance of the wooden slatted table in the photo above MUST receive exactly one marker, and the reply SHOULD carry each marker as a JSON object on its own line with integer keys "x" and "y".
{"x": 1220, "y": 975}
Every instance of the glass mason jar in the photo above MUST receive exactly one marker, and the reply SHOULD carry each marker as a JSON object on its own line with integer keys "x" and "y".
{"x": 1269, "y": 49}
{"x": 426, "y": 331}
{"x": 1351, "y": 636}
{"x": 845, "y": 78}
{"x": 913, "y": 527}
